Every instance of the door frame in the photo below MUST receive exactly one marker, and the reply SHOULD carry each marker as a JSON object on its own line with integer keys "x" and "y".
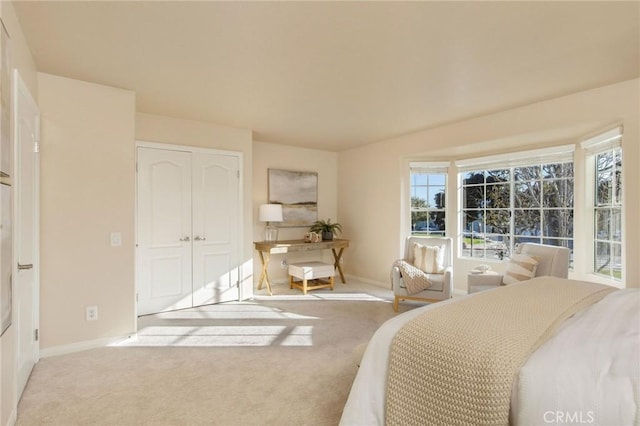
{"x": 193, "y": 149}
{"x": 20, "y": 87}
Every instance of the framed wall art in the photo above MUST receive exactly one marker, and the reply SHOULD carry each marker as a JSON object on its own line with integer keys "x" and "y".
{"x": 298, "y": 194}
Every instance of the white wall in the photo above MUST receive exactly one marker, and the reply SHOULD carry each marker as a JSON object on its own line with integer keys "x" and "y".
{"x": 87, "y": 192}
{"x": 22, "y": 60}
{"x": 273, "y": 156}
{"x": 156, "y": 128}
{"x": 372, "y": 178}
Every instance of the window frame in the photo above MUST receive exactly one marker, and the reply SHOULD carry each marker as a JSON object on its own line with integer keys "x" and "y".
{"x": 608, "y": 141}
{"x": 507, "y": 241}
{"x": 429, "y": 168}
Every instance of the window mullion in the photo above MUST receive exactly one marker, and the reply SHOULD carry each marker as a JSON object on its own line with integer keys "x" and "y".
{"x": 541, "y": 208}
{"x": 512, "y": 212}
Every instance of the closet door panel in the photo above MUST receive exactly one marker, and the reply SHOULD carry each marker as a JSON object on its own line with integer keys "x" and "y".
{"x": 164, "y": 258}
{"x": 216, "y": 224}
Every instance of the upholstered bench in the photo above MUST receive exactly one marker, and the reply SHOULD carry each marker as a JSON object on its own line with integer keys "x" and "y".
{"x": 307, "y": 271}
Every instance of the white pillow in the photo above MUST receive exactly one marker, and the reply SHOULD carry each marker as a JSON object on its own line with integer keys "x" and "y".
{"x": 521, "y": 267}
{"x": 429, "y": 259}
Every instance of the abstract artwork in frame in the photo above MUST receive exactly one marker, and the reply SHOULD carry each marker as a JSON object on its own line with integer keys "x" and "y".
{"x": 298, "y": 194}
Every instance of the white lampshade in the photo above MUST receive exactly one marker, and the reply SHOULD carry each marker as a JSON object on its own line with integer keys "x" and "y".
{"x": 270, "y": 213}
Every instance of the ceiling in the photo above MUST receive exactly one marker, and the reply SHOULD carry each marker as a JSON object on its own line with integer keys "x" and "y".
{"x": 335, "y": 75}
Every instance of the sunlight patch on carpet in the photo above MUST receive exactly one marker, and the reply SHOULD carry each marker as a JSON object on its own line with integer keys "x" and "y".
{"x": 220, "y": 336}
{"x": 229, "y": 311}
{"x": 363, "y": 297}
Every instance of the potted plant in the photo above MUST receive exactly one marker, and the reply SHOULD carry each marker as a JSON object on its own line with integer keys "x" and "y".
{"x": 326, "y": 228}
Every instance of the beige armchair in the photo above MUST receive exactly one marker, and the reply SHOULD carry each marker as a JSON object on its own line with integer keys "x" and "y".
{"x": 441, "y": 284}
{"x": 551, "y": 261}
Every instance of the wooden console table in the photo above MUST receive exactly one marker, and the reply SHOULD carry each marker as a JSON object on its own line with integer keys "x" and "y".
{"x": 265, "y": 249}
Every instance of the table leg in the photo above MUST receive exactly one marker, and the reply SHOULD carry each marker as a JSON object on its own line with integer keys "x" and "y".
{"x": 264, "y": 276}
{"x": 336, "y": 263}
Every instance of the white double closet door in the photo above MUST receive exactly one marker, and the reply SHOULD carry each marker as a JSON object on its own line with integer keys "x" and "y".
{"x": 188, "y": 228}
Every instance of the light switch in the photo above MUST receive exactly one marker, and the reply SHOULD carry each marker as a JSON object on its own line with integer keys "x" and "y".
{"x": 116, "y": 239}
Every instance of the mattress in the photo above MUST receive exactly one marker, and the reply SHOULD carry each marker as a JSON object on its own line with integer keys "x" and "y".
{"x": 588, "y": 372}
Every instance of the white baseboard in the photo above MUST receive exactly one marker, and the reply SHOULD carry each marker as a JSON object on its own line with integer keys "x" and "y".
{"x": 337, "y": 278}
{"x": 386, "y": 286}
{"x": 82, "y": 346}
{"x": 13, "y": 417}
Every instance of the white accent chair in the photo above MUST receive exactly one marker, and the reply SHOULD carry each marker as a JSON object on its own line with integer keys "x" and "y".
{"x": 552, "y": 261}
{"x": 442, "y": 284}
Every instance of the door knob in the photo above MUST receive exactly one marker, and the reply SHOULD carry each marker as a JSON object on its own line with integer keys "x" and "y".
{"x": 198, "y": 238}
{"x": 185, "y": 239}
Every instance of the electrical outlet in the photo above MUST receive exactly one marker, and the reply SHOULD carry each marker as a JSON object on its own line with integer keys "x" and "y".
{"x": 284, "y": 264}
{"x": 92, "y": 313}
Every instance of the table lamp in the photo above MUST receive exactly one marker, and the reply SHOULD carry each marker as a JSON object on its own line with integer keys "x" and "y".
{"x": 270, "y": 213}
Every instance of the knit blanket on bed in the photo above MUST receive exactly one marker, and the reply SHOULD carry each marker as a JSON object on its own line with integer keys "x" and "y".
{"x": 414, "y": 278}
{"x": 456, "y": 364}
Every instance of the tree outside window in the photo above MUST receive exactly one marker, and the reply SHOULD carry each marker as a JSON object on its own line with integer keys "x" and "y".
{"x": 509, "y": 206}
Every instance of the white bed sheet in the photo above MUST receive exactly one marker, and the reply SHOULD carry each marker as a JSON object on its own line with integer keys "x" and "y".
{"x": 548, "y": 391}
{"x": 589, "y": 372}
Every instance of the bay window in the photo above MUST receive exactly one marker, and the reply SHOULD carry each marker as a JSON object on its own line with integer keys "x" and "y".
{"x": 516, "y": 198}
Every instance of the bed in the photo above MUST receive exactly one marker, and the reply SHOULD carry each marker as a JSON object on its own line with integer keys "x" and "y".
{"x": 586, "y": 370}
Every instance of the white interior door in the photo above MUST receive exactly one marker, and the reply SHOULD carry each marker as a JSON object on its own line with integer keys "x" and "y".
{"x": 164, "y": 276}
{"x": 216, "y": 224}
{"x": 26, "y": 184}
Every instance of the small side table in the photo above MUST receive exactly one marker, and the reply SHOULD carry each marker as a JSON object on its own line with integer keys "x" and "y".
{"x": 487, "y": 280}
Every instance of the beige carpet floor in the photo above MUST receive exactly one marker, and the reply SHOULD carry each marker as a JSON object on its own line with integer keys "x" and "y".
{"x": 288, "y": 359}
